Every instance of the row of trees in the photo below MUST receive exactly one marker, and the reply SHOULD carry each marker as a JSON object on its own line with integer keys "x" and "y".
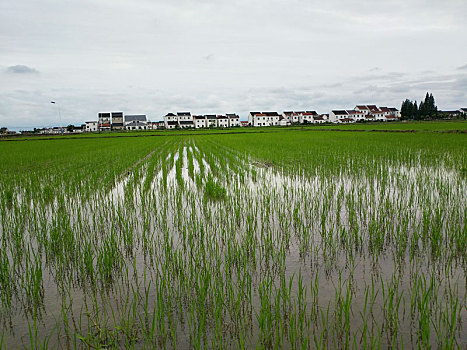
{"x": 425, "y": 110}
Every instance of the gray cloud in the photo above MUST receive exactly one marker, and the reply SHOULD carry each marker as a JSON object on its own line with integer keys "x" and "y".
{"x": 225, "y": 56}
{"x": 462, "y": 67}
{"x": 21, "y": 69}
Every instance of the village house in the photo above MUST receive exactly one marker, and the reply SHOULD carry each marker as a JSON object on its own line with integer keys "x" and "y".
{"x": 153, "y": 125}
{"x": 273, "y": 118}
{"x": 370, "y": 118}
{"x": 286, "y": 115}
{"x": 90, "y": 126}
{"x": 104, "y": 121}
{"x": 222, "y": 121}
{"x": 211, "y": 120}
{"x": 358, "y": 116}
{"x": 283, "y": 121}
{"x": 185, "y": 124}
{"x": 117, "y": 120}
{"x": 450, "y": 114}
{"x": 179, "y": 120}
{"x": 199, "y": 121}
{"x": 340, "y": 116}
{"x": 263, "y": 119}
{"x": 136, "y": 125}
{"x": 374, "y": 113}
{"x": 170, "y": 118}
{"x": 171, "y": 124}
{"x": 78, "y": 129}
{"x": 362, "y": 109}
{"x": 307, "y": 117}
{"x": 135, "y": 122}
{"x": 234, "y": 119}
{"x": 294, "y": 118}
{"x": 252, "y": 116}
{"x": 185, "y": 120}
{"x": 395, "y": 112}
{"x": 320, "y": 119}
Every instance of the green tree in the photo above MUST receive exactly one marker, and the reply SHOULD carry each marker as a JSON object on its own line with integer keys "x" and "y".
{"x": 421, "y": 111}
{"x": 415, "y": 111}
{"x": 406, "y": 109}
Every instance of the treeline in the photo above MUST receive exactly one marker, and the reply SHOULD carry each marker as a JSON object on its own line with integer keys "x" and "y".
{"x": 425, "y": 110}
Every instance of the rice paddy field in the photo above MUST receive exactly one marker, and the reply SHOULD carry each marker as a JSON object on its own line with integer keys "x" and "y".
{"x": 284, "y": 239}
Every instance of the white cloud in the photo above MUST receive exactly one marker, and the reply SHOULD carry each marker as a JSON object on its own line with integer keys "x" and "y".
{"x": 223, "y": 56}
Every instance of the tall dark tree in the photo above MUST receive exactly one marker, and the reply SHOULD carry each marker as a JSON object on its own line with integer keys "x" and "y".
{"x": 426, "y": 109}
{"x": 421, "y": 111}
{"x": 415, "y": 110}
{"x": 433, "y": 108}
{"x": 406, "y": 109}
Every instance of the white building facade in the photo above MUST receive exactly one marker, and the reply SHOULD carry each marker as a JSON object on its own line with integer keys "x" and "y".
{"x": 104, "y": 121}
{"x": 234, "y": 119}
{"x": 90, "y": 126}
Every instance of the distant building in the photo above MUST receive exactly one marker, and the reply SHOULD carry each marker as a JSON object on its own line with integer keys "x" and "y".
{"x": 135, "y": 122}
{"x": 79, "y": 129}
{"x": 185, "y": 120}
{"x": 340, "y": 116}
{"x": 263, "y": 119}
{"x": 307, "y": 117}
{"x": 179, "y": 120}
{"x": 320, "y": 119}
{"x": 295, "y": 117}
{"x": 450, "y": 114}
{"x": 153, "y": 125}
{"x": 286, "y": 118}
{"x": 199, "y": 121}
{"x": 283, "y": 121}
{"x": 136, "y": 125}
{"x": 171, "y": 125}
{"x": 222, "y": 121}
{"x": 211, "y": 120}
{"x": 91, "y": 126}
{"x": 186, "y": 124}
{"x": 234, "y": 119}
{"x": 117, "y": 121}
{"x": 374, "y": 113}
{"x": 104, "y": 121}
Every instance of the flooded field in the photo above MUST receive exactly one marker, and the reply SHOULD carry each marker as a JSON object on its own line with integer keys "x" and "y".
{"x": 287, "y": 240}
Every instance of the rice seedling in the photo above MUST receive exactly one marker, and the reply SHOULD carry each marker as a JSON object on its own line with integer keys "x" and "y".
{"x": 284, "y": 239}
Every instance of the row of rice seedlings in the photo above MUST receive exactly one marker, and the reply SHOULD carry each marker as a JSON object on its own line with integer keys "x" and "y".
{"x": 225, "y": 273}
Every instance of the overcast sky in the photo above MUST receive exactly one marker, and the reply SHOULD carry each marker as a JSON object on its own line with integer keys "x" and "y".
{"x": 203, "y": 56}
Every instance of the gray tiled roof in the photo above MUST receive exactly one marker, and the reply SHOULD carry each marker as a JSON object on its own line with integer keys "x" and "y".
{"x": 135, "y": 117}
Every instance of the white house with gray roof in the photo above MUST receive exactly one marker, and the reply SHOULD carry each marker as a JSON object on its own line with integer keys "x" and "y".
{"x": 135, "y": 122}
{"x": 340, "y": 116}
{"x": 91, "y": 126}
{"x": 179, "y": 120}
{"x": 234, "y": 119}
{"x": 263, "y": 119}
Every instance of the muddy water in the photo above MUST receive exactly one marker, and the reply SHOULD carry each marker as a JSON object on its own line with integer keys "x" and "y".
{"x": 339, "y": 234}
